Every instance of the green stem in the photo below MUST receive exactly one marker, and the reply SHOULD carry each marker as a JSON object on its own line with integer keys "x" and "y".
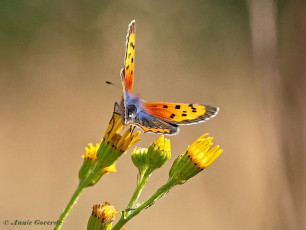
{"x": 140, "y": 184}
{"x": 68, "y": 208}
{"x": 158, "y": 194}
{"x": 75, "y": 197}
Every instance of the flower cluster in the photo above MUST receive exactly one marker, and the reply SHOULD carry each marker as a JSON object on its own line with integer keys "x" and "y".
{"x": 100, "y": 159}
{"x": 198, "y": 156}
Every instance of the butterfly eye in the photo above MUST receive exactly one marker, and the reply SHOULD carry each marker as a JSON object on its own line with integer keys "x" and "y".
{"x": 131, "y": 111}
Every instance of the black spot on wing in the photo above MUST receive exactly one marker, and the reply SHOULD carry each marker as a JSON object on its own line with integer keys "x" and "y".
{"x": 165, "y": 106}
{"x": 210, "y": 111}
{"x": 172, "y": 116}
{"x": 177, "y": 107}
{"x": 191, "y": 106}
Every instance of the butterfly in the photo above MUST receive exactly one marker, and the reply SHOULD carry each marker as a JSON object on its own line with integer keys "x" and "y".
{"x": 156, "y": 117}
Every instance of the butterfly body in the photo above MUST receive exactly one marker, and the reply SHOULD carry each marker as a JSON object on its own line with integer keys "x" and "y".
{"x": 156, "y": 117}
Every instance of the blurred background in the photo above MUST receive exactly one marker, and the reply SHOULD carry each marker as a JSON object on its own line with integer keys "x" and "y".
{"x": 246, "y": 57}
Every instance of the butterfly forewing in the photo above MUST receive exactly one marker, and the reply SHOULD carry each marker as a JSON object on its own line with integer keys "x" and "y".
{"x": 127, "y": 73}
{"x": 181, "y": 113}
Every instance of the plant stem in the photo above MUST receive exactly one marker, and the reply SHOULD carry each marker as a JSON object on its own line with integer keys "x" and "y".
{"x": 75, "y": 197}
{"x": 68, "y": 208}
{"x": 140, "y": 184}
{"x": 158, "y": 194}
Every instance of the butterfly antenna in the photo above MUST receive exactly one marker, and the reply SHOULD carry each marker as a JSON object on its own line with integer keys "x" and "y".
{"x": 111, "y": 83}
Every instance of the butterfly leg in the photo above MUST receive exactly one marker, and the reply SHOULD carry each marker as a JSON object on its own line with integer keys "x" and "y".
{"x": 115, "y": 111}
{"x": 132, "y": 128}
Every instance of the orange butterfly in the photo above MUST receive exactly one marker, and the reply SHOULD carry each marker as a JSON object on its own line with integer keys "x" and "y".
{"x": 156, "y": 117}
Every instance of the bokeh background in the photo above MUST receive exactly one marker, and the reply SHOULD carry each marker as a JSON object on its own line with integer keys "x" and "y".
{"x": 246, "y": 57}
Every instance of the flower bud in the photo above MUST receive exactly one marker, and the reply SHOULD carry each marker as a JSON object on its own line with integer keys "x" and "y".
{"x": 102, "y": 217}
{"x": 159, "y": 153}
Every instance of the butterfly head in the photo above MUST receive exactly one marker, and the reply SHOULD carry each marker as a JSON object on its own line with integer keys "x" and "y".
{"x": 131, "y": 112}
{"x": 130, "y": 106}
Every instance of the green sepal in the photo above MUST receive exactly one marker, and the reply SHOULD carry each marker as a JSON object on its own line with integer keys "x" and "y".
{"x": 94, "y": 223}
{"x": 139, "y": 158}
{"x": 183, "y": 169}
{"x": 86, "y": 168}
{"x": 107, "y": 155}
{"x": 157, "y": 156}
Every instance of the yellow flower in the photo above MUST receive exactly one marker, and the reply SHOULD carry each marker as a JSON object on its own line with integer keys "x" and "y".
{"x": 100, "y": 159}
{"x": 91, "y": 151}
{"x": 90, "y": 158}
{"x": 109, "y": 169}
{"x": 102, "y": 217}
{"x": 91, "y": 154}
{"x": 114, "y": 144}
{"x": 201, "y": 154}
{"x": 198, "y": 156}
{"x": 112, "y": 136}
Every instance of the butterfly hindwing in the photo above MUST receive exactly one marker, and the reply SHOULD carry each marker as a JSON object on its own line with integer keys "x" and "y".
{"x": 150, "y": 123}
{"x": 127, "y": 74}
{"x": 180, "y": 113}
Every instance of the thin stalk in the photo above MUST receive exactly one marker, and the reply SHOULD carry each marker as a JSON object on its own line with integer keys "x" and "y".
{"x": 68, "y": 208}
{"x": 158, "y": 194}
{"x": 140, "y": 184}
{"x": 75, "y": 197}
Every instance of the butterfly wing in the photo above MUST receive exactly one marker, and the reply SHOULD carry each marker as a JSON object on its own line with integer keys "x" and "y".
{"x": 150, "y": 123}
{"x": 180, "y": 113}
{"x": 127, "y": 73}
{"x": 156, "y": 117}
